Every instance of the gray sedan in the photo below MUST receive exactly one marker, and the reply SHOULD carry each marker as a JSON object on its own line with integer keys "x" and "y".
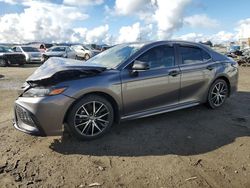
{"x": 32, "y": 55}
{"x": 59, "y": 51}
{"x": 125, "y": 82}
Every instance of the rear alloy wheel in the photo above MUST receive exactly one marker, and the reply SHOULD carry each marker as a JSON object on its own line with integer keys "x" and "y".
{"x": 86, "y": 57}
{"x": 218, "y": 93}
{"x": 3, "y": 63}
{"x": 91, "y": 117}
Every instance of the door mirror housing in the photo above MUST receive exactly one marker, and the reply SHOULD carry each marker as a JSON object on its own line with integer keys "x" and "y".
{"x": 140, "y": 65}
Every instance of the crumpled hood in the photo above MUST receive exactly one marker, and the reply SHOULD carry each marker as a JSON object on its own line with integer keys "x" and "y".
{"x": 57, "y": 69}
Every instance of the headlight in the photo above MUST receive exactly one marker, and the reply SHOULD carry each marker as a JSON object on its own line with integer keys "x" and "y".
{"x": 27, "y": 57}
{"x": 41, "y": 92}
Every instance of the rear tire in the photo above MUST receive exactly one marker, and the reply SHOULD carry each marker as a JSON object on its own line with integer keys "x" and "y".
{"x": 217, "y": 94}
{"x": 90, "y": 118}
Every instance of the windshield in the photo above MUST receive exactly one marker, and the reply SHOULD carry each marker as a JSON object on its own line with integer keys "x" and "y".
{"x": 29, "y": 49}
{"x": 88, "y": 47}
{"x": 112, "y": 57}
{"x": 5, "y": 49}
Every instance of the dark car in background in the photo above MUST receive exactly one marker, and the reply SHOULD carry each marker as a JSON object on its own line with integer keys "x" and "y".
{"x": 32, "y": 54}
{"x": 9, "y": 57}
{"x": 234, "y": 50}
{"x": 125, "y": 82}
{"x": 59, "y": 51}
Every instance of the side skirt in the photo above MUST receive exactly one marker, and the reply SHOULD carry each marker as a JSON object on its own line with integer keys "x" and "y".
{"x": 160, "y": 110}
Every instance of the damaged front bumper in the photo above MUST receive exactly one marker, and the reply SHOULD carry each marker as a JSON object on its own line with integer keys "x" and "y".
{"x": 41, "y": 116}
{"x": 41, "y": 107}
{"x": 26, "y": 122}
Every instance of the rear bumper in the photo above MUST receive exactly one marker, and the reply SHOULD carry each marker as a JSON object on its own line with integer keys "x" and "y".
{"x": 234, "y": 76}
{"x": 41, "y": 116}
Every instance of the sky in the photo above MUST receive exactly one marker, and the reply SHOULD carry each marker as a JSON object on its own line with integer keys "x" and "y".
{"x": 118, "y": 21}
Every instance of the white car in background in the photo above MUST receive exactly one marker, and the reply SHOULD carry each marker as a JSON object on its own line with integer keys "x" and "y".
{"x": 84, "y": 52}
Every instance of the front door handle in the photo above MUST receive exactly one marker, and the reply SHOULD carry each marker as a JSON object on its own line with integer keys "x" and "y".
{"x": 210, "y": 67}
{"x": 174, "y": 73}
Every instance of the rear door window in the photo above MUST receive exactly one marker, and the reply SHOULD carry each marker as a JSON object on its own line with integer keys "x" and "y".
{"x": 58, "y": 49}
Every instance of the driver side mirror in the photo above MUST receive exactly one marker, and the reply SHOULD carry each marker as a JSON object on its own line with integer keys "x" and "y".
{"x": 140, "y": 65}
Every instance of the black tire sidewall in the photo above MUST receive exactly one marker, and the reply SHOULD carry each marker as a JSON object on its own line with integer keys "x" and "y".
{"x": 4, "y": 64}
{"x": 87, "y": 57}
{"x": 77, "y": 105}
{"x": 209, "y": 102}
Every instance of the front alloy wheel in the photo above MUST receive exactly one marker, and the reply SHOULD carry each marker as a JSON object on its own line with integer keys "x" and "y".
{"x": 91, "y": 117}
{"x": 218, "y": 93}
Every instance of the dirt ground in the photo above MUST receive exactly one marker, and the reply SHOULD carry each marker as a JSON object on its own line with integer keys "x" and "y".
{"x": 195, "y": 147}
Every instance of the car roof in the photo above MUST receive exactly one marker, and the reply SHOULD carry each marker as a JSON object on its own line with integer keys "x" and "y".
{"x": 167, "y": 41}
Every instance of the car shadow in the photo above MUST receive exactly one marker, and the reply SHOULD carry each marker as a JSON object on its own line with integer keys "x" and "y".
{"x": 190, "y": 131}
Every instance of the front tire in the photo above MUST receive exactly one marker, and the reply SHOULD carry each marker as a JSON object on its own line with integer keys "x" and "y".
{"x": 87, "y": 57}
{"x": 3, "y": 63}
{"x": 217, "y": 94}
{"x": 90, "y": 118}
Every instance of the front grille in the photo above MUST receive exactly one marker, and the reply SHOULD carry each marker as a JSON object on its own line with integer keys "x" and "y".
{"x": 36, "y": 55}
{"x": 24, "y": 116}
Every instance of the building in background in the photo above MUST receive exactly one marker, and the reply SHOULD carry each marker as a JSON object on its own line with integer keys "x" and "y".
{"x": 244, "y": 42}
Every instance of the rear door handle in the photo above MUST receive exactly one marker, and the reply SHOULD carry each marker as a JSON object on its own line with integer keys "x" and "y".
{"x": 210, "y": 67}
{"x": 174, "y": 73}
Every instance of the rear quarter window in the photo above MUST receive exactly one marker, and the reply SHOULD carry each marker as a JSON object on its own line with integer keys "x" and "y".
{"x": 191, "y": 55}
{"x": 205, "y": 55}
